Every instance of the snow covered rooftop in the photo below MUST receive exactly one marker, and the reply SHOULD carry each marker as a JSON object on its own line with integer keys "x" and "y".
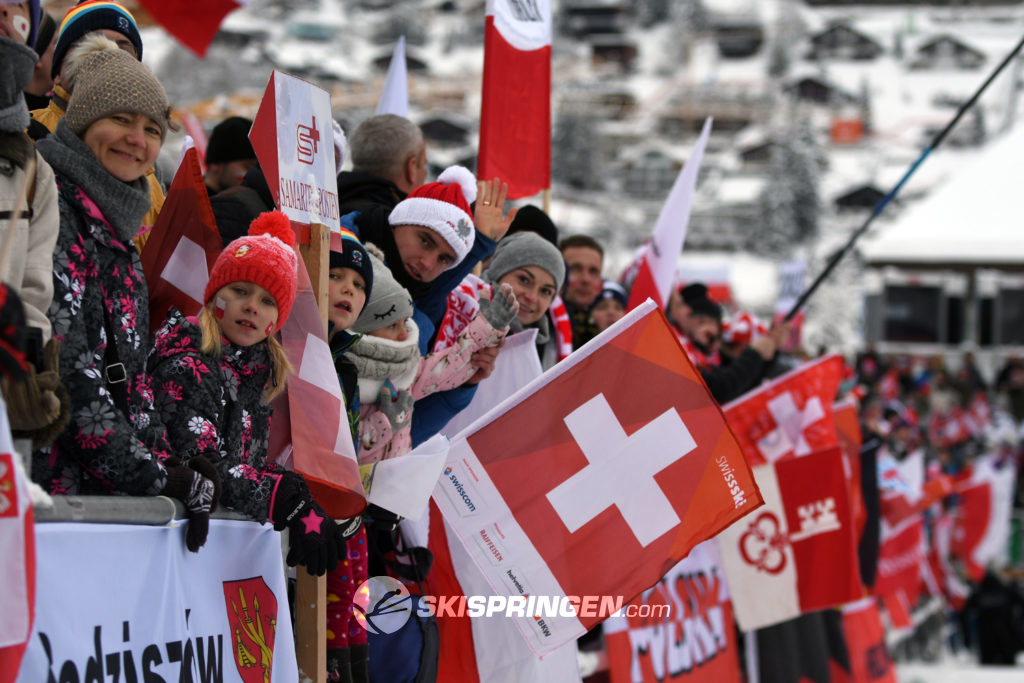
{"x": 973, "y": 218}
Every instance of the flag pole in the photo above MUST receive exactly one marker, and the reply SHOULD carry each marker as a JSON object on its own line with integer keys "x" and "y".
{"x": 884, "y": 201}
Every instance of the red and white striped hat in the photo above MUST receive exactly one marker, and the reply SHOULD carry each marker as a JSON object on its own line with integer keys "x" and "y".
{"x": 443, "y": 206}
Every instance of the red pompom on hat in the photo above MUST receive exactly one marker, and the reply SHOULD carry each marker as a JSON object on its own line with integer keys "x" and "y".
{"x": 443, "y": 207}
{"x": 266, "y": 257}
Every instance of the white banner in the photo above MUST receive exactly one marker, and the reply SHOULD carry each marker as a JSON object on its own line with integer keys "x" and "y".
{"x": 305, "y": 152}
{"x": 119, "y": 602}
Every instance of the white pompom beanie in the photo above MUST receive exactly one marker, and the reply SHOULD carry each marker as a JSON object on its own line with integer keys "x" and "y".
{"x": 443, "y": 206}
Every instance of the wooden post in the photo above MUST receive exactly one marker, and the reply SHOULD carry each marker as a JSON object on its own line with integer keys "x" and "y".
{"x": 311, "y": 591}
{"x": 546, "y": 200}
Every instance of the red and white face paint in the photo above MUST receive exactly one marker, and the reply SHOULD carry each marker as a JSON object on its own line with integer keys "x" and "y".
{"x": 247, "y": 313}
{"x": 15, "y": 22}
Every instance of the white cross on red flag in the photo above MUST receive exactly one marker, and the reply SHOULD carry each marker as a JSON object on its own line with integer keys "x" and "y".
{"x": 321, "y": 442}
{"x": 597, "y": 477}
{"x": 182, "y": 247}
{"x": 789, "y": 416}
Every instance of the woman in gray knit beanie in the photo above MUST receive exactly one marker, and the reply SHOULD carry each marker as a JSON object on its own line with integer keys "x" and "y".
{"x": 535, "y": 270}
{"x": 114, "y": 442}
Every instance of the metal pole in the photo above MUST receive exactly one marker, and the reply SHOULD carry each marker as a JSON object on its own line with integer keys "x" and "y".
{"x": 884, "y": 201}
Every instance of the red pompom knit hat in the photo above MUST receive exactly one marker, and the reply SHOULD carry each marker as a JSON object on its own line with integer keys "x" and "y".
{"x": 444, "y": 208}
{"x": 265, "y": 257}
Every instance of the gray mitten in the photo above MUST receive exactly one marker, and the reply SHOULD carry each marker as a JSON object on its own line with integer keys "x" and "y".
{"x": 503, "y": 307}
{"x": 396, "y": 407}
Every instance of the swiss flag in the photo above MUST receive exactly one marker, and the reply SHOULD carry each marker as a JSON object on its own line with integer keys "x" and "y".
{"x": 183, "y": 246}
{"x": 17, "y": 556}
{"x": 590, "y": 483}
{"x": 982, "y": 520}
{"x": 321, "y": 446}
{"x": 193, "y": 23}
{"x": 799, "y": 552}
{"x": 790, "y": 415}
{"x": 515, "y": 111}
{"x": 657, "y": 258}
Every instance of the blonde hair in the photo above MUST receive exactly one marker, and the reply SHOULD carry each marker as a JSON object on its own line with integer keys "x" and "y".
{"x": 210, "y": 345}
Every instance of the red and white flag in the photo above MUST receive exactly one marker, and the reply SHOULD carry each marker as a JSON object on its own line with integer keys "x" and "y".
{"x": 799, "y": 552}
{"x": 981, "y": 531}
{"x": 899, "y": 568}
{"x": 660, "y": 254}
{"x": 589, "y": 483}
{"x": 193, "y": 23}
{"x": 789, "y": 416}
{"x": 17, "y": 556}
{"x": 865, "y": 642}
{"x": 477, "y": 649}
{"x": 905, "y": 491}
{"x": 680, "y": 630}
{"x": 515, "y": 110}
{"x": 321, "y": 447}
{"x": 182, "y": 247}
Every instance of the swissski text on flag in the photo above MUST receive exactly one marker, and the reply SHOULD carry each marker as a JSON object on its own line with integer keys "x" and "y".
{"x": 182, "y": 247}
{"x": 798, "y": 553}
{"x": 597, "y": 477}
{"x": 789, "y": 416}
{"x": 515, "y": 111}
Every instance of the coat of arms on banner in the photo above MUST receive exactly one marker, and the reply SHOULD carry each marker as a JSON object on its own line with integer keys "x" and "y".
{"x": 252, "y": 613}
{"x": 8, "y": 490}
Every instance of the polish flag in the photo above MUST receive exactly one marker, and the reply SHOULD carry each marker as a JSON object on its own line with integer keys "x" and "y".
{"x": 798, "y": 553}
{"x": 569, "y": 484}
{"x": 789, "y": 416}
{"x": 981, "y": 530}
{"x": 17, "y": 556}
{"x": 182, "y": 247}
{"x": 658, "y": 257}
{"x": 694, "y": 641}
{"x": 193, "y": 23}
{"x": 321, "y": 446}
{"x": 515, "y": 111}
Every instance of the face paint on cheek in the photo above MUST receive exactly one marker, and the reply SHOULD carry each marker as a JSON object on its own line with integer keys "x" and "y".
{"x": 270, "y": 328}
{"x": 219, "y": 305}
{"x": 21, "y": 26}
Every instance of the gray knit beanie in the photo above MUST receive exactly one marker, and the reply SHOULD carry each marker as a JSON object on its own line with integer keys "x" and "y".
{"x": 389, "y": 301}
{"x": 16, "y": 63}
{"x": 108, "y": 80}
{"x": 525, "y": 249}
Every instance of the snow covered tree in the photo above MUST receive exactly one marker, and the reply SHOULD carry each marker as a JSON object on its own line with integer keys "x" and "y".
{"x": 790, "y": 202}
{"x": 574, "y": 157}
{"x": 650, "y": 12}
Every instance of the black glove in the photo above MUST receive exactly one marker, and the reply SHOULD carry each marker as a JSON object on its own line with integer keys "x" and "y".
{"x": 313, "y": 538}
{"x": 348, "y": 528}
{"x": 199, "y": 494}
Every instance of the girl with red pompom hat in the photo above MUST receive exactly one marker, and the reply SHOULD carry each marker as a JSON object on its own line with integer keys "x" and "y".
{"x": 215, "y": 375}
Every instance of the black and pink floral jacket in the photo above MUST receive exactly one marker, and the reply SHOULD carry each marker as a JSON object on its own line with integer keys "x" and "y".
{"x": 213, "y": 406}
{"x": 100, "y": 298}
